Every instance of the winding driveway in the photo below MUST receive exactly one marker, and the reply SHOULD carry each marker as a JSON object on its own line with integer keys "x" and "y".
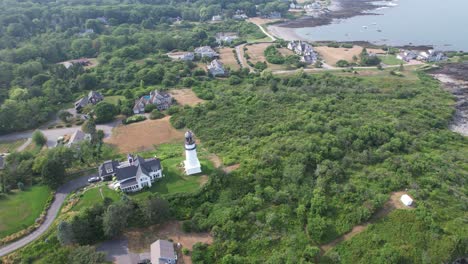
{"x": 60, "y": 195}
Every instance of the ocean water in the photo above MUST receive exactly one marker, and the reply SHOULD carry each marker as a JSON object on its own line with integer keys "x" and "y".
{"x": 443, "y": 24}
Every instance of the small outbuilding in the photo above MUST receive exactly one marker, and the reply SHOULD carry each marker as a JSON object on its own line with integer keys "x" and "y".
{"x": 406, "y": 200}
{"x": 162, "y": 252}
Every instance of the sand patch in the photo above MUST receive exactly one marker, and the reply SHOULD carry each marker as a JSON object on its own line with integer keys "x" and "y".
{"x": 332, "y": 55}
{"x": 143, "y": 135}
{"x": 186, "y": 97}
{"x": 231, "y": 168}
{"x": 228, "y": 57}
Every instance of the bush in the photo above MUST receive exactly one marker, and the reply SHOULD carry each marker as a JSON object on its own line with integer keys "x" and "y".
{"x": 273, "y": 55}
{"x": 185, "y": 251}
{"x": 173, "y": 110}
{"x": 21, "y": 186}
{"x": 342, "y": 63}
{"x": 134, "y": 119}
{"x": 149, "y": 108}
{"x": 347, "y": 45}
{"x": 156, "y": 114}
{"x": 38, "y": 138}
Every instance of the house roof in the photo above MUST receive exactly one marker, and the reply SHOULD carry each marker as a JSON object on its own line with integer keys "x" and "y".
{"x": 77, "y": 137}
{"x": 110, "y": 165}
{"x": 128, "y": 183}
{"x": 204, "y": 49}
{"x": 162, "y": 252}
{"x": 126, "y": 170}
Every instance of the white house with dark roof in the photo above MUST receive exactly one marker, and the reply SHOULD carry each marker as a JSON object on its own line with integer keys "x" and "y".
{"x": 161, "y": 100}
{"x": 162, "y": 252}
{"x": 225, "y": 37}
{"x": 206, "y": 51}
{"x": 304, "y": 50}
{"x": 132, "y": 175}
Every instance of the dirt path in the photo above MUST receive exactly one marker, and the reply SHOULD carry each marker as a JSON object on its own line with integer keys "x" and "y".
{"x": 392, "y": 204}
{"x": 259, "y": 22}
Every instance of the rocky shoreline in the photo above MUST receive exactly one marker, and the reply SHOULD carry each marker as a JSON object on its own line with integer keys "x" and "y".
{"x": 455, "y": 80}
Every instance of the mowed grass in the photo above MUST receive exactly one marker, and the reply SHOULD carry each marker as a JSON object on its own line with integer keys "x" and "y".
{"x": 21, "y": 209}
{"x": 10, "y": 146}
{"x": 390, "y": 60}
{"x": 93, "y": 196}
{"x": 113, "y": 99}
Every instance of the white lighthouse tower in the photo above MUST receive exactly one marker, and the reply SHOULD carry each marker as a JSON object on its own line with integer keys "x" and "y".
{"x": 191, "y": 162}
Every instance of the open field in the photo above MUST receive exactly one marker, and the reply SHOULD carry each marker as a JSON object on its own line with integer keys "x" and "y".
{"x": 113, "y": 99}
{"x": 256, "y": 53}
{"x": 143, "y": 135}
{"x": 391, "y": 60}
{"x": 332, "y": 55}
{"x": 186, "y": 97}
{"x": 20, "y": 209}
{"x": 95, "y": 195}
{"x": 228, "y": 58}
{"x": 10, "y": 146}
{"x": 140, "y": 239}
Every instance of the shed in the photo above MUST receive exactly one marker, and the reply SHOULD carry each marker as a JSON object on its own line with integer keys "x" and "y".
{"x": 406, "y": 200}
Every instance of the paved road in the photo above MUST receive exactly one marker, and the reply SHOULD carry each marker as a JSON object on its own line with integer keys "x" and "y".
{"x": 53, "y": 134}
{"x": 60, "y": 196}
{"x": 117, "y": 252}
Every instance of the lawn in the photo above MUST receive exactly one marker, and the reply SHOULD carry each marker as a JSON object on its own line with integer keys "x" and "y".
{"x": 113, "y": 99}
{"x": 10, "y": 146}
{"x": 20, "y": 209}
{"x": 93, "y": 196}
{"x": 390, "y": 60}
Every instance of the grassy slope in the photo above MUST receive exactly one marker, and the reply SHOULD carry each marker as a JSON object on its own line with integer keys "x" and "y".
{"x": 10, "y": 146}
{"x": 93, "y": 196}
{"x": 20, "y": 210}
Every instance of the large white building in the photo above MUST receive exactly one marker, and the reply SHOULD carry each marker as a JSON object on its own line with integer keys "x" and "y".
{"x": 191, "y": 163}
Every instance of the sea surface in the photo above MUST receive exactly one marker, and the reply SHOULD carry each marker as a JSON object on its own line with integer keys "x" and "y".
{"x": 442, "y": 24}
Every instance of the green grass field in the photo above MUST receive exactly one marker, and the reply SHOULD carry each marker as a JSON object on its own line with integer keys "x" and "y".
{"x": 10, "y": 146}
{"x": 20, "y": 209}
{"x": 113, "y": 99}
{"x": 93, "y": 196}
{"x": 391, "y": 60}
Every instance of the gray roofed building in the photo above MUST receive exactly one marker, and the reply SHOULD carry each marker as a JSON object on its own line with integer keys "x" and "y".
{"x": 162, "y": 252}
{"x": 216, "y": 68}
{"x": 78, "y": 137}
{"x": 93, "y": 97}
{"x": 133, "y": 174}
{"x": 206, "y": 51}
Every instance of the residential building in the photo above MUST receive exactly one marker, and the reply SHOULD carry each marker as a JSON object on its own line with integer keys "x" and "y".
{"x": 161, "y": 100}
{"x": 185, "y": 56}
{"x": 205, "y": 51}
{"x": 216, "y": 68}
{"x": 225, "y": 37}
{"x": 217, "y": 18}
{"x": 162, "y": 252}
{"x": 240, "y": 15}
{"x": 407, "y": 55}
{"x": 93, "y": 97}
{"x": 304, "y": 50}
{"x": 432, "y": 56}
{"x": 133, "y": 174}
{"x": 274, "y": 15}
{"x": 77, "y": 137}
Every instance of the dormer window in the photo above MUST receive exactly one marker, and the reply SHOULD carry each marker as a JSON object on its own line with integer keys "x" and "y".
{"x": 109, "y": 170}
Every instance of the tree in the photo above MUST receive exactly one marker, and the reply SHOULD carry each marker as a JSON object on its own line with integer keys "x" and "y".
{"x": 115, "y": 219}
{"x": 156, "y": 114}
{"x": 156, "y": 210}
{"x": 65, "y": 233}
{"x": 310, "y": 254}
{"x": 89, "y": 127}
{"x": 53, "y": 173}
{"x": 64, "y": 115}
{"x": 38, "y": 138}
{"x": 104, "y": 112}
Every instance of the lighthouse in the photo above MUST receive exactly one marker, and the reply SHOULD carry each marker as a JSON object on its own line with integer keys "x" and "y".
{"x": 192, "y": 164}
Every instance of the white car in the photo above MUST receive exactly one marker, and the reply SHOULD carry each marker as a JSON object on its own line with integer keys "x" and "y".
{"x": 94, "y": 179}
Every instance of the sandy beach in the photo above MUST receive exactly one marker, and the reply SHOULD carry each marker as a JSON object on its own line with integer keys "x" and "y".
{"x": 284, "y": 33}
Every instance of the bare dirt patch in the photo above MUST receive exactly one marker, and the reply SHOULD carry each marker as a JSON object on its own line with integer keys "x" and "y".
{"x": 285, "y": 51}
{"x": 228, "y": 58}
{"x": 332, "y": 55}
{"x": 203, "y": 180}
{"x": 231, "y": 168}
{"x": 392, "y": 204}
{"x": 139, "y": 240}
{"x": 217, "y": 162}
{"x": 143, "y": 135}
{"x": 261, "y": 21}
{"x": 186, "y": 97}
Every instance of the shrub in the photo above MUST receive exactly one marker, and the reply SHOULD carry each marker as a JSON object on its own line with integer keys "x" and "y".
{"x": 134, "y": 119}
{"x": 347, "y": 45}
{"x": 342, "y": 63}
{"x": 21, "y": 186}
{"x": 156, "y": 114}
{"x": 273, "y": 55}
{"x": 38, "y": 138}
{"x": 149, "y": 108}
{"x": 185, "y": 251}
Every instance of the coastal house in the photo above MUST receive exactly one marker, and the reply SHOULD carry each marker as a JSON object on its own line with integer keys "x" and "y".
{"x": 432, "y": 56}
{"x": 132, "y": 175}
{"x": 273, "y": 15}
{"x": 185, "y": 56}
{"x": 161, "y": 100}
{"x": 162, "y": 252}
{"x": 205, "y": 51}
{"x": 304, "y": 50}
{"x": 83, "y": 62}
{"x": 93, "y": 97}
{"x": 407, "y": 55}
{"x": 216, "y": 68}
{"x": 78, "y": 137}
{"x": 225, "y": 37}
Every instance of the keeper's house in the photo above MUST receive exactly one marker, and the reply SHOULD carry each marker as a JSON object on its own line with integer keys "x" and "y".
{"x": 132, "y": 175}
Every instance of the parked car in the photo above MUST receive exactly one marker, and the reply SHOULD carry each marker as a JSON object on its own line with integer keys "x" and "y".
{"x": 94, "y": 179}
